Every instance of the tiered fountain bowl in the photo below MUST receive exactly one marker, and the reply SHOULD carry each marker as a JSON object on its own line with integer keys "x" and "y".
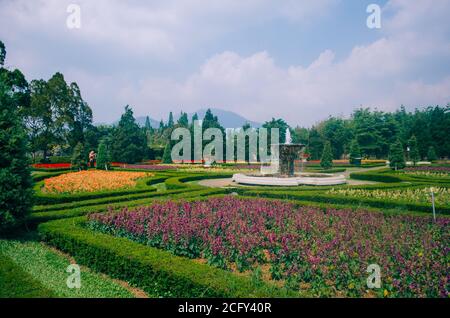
{"x": 282, "y": 170}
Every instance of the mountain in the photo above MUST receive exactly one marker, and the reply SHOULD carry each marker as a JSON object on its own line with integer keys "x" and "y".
{"x": 227, "y": 119}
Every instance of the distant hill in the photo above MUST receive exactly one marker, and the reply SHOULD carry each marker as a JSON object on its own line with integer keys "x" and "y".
{"x": 226, "y": 118}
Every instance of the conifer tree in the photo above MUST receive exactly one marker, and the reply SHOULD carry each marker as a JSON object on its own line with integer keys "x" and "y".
{"x": 327, "y": 156}
{"x": 396, "y": 156}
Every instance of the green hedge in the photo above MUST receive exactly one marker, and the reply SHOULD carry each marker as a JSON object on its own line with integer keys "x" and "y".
{"x": 40, "y": 217}
{"x": 375, "y": 176}
{"x": 332, "y": 170}
{"x": 178, "y": 182}
{"x": 43, "y": 174}
{"x": 151, "y": 269}
{"x": 313, "y": 196}
{"x": 142, "y": 186}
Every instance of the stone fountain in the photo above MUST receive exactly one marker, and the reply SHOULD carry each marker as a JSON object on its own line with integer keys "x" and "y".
{"x": 281, "y": 172}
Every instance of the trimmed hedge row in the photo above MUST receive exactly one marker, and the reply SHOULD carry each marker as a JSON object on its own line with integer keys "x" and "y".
{"x": 179, "y": 181}
{"x": 375, "y": 176}
{"x": 335, "y": 199}
{"x": 153, "y": 270}
{"x": 301, "y": 189}
{"x": 320, "y": 170}
{"x": 44, "y": 175}
{"x": 389, "y": 176}
{"x": 142, "y": 186}
{"x": 40, "y": 217}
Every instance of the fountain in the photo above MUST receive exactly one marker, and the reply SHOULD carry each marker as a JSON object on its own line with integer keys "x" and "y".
{"x": 281, "y": 172}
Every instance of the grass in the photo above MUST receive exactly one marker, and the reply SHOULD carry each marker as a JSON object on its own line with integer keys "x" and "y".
{"x": 16, "y": 283}
{"x": 32, "y": 269}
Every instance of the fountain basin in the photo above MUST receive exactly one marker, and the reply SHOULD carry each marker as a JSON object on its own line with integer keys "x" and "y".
{"x": 294, "y": 181}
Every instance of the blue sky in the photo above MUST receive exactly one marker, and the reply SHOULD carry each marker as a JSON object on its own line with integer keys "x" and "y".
{"x": 299, "y": 60}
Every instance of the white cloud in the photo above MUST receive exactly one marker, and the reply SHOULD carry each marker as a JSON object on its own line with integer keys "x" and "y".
{"x": 386, "y": 73}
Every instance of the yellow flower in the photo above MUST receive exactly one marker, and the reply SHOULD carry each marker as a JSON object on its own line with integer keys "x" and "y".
{"x": 351, "y": 286}
{"x": 385, "y": 293}
{"x": 420, "y": 254}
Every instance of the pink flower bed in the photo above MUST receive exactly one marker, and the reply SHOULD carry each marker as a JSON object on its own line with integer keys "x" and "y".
{"x": 326, "y": 252}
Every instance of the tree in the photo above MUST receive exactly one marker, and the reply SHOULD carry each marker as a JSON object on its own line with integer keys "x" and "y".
{"x": 315, "y": 143}
{"x": 183, "y": 121}
{"x": 79, "y": 161}
{"x": 355, "y": 152}
{"x": 148, "y": 125}
{"x": 397, "y": 156}
{"x": 414, "y": 154}
{"x": 128, "y": 142}
{"x": 103, "y": 157}
{"x": 78, "y": 116}
{"x": 15, "y": 180}
{"x": 2, "y": 53}
{"x": 431, "y": 155}
{"x": 277, "y": 123}
{"x": 170, "y": 122}
{"x": 326, "y": 161}
{"x": 167, "y": 156}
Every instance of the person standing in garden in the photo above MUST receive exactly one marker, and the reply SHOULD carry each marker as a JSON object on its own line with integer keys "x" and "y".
{"x": 92, "y": 157}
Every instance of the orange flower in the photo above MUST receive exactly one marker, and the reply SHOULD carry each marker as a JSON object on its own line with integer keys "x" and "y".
{"x": 92, "y": 181}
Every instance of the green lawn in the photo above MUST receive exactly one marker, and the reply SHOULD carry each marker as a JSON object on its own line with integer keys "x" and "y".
{"x": 32, "y": 269}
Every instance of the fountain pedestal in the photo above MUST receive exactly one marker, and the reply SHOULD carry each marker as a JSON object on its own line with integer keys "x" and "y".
{"x": 288, "y": 154}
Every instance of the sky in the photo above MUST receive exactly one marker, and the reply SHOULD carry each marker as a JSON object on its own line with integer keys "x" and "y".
{"x": 301, "y": 60}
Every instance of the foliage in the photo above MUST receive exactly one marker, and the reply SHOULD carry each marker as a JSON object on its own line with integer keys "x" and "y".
{"x": 355, "y": 151}
{"x": 79, "y": 161}
{"x": 396, "y": 156}
{"x": 431, "y": 154}
{"x": 414, "y": 155}
{"x": 167, "y": 156}
{"x": 326, "y": 161}
{"x": 128, "y": 140}
{"x": 229, "y": 231}
{"x": 155, "y": 271}
{"x": 15, "y": 179}
{"x": 103, "y": 156}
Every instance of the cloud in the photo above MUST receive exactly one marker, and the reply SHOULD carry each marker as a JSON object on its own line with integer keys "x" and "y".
{"x": 110, "y": 57}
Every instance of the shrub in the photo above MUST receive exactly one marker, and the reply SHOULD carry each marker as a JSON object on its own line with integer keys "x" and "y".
{"x": 167, "y": 156}
{"x": 15, "y": 180}
{"x": 153, "y": 270}
{"x": 103, "y": 157}
{"x": 355, "y": 151}
{"x": 78, "y": 161}
{"x": 396, "y": 156}
{"x": 414, "y": 154}
{"x": 327, "y": 156}
{"x": 431, "y": 155}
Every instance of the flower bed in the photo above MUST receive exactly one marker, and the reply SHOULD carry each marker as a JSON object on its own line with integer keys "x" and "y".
{"x": 441, "y": 172}
{"x": 420, "y": 195}
{"x": 325, "y": 252}
{"x": 429, "y": 169}
{"x": 150, "y": 167}
{"x": 91, "y": 181}
{"x": 51, "y": 165}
